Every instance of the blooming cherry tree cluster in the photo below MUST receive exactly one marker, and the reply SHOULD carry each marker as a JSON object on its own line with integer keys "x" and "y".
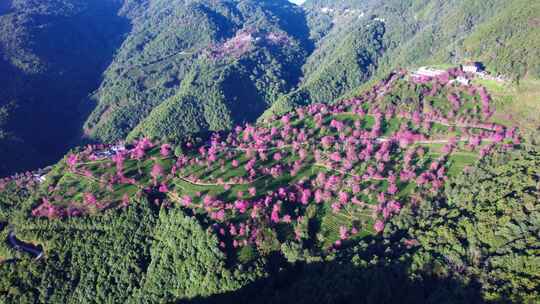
{"x": 359, "y": 162}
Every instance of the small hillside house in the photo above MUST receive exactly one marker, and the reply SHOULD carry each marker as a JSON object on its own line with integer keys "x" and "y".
{"x": 474, "y": 67}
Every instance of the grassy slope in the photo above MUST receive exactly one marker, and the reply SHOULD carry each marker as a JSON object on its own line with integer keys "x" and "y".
{"x": 519, "y": 104}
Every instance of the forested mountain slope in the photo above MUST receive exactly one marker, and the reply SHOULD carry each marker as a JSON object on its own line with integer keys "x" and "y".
{"x": 508, "y": 41}
{"x": 457, "y": 31}
{"x": 431, "y": 31}
{"x": 413, "y": 33}
{"x": 52, "y": 54}
{"x": 204, "y": 64}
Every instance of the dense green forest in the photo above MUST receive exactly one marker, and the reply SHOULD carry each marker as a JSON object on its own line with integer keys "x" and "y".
{"x": 52, "y": 54}
{"x": 225, "y": 54}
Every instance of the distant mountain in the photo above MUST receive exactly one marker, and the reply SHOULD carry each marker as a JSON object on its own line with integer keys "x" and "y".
{"x": 337, "y": 5}
{"x": 203, "y": 64}
{"x": 346, "y": 57}
{"x": 431, "y": 32}
{"x": 78, "y": 70}
{"x": 355, "y": 41}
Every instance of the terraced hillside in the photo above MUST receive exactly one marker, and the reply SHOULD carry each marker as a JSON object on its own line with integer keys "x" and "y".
{"x": 324, "y": 173}
{"x": 304, "y": 186}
